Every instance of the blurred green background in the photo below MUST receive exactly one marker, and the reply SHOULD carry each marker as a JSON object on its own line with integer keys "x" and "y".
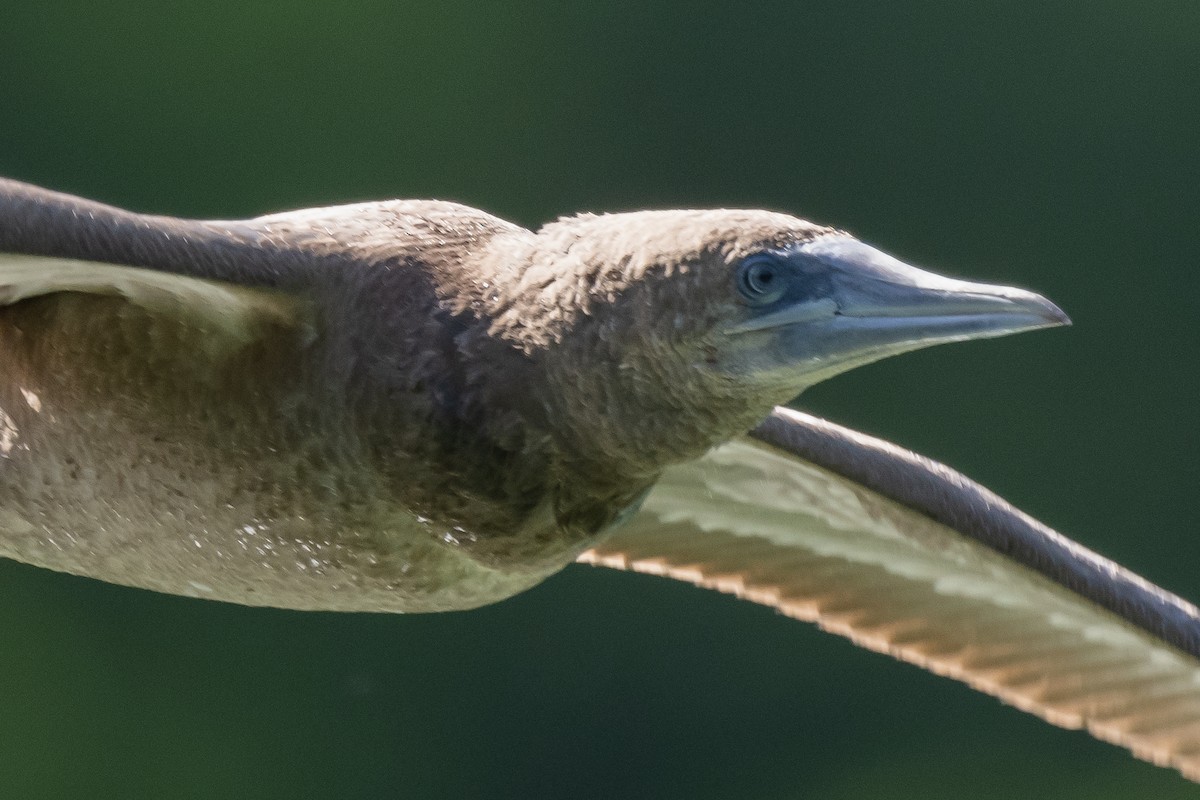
{"x": 1047, "y": 144}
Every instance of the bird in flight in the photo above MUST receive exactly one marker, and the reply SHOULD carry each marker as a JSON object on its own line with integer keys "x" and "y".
{"x": 414, "y": 406}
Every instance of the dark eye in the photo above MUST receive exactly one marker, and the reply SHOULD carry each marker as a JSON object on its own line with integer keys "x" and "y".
{"x": 761, "y": 280}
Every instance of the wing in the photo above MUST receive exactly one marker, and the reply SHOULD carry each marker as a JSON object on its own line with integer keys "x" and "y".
{"x": 237, "y": 280}
{"x": 39, "y": 222}
{"x": 91, "y": 294}
{"x": 228, "y": 278}
{"x": 904, "y": 556}
{"x": 228, "y": 316}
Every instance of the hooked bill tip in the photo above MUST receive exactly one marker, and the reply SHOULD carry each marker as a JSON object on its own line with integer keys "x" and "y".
{"x": 1056, "y": 316}
{"x": 1039, "y": 306}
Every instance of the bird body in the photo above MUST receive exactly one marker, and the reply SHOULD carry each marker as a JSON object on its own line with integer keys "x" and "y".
{"x": 279, "y": 455}
{"x": 415, "y": 406}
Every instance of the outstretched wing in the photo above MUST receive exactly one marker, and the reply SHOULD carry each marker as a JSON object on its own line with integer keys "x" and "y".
{"x": 239, "y": 281}
{"x": 95, "y": 300}
{"x": 226, "y": 278}
{"x": 907, "y": 557}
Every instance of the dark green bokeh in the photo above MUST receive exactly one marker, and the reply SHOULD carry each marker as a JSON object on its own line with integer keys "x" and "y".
{"x": 1050, "y": 145}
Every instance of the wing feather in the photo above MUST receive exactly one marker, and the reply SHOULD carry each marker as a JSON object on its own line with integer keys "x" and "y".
{"x": 234, "y": 283}
{"x": 228, "y": 315}
{"x": 906, "y": 557}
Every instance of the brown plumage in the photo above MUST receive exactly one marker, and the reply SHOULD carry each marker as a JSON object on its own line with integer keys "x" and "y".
{"x": 415, "y": 406}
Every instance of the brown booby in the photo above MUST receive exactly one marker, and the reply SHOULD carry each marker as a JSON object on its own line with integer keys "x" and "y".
{"x": 415, "y": 406}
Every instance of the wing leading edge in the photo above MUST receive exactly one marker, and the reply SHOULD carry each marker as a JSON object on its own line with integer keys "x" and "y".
{"x": 907, "y": 557}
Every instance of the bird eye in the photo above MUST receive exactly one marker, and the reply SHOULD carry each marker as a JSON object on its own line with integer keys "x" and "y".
{"x": 761, "y": 280}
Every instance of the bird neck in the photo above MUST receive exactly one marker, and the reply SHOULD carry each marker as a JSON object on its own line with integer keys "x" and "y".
{"x": 620, "y": 419}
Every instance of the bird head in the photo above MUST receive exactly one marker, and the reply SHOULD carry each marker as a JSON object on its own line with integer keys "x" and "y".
{"x": 669, "y": 331}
